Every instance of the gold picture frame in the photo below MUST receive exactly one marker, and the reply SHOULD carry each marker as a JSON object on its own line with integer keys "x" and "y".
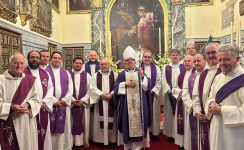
{"x": 55, "y": 5}
{"x": 198, "y": 2}
{"x": 78, "y": 6}
{"x": 8, "y": 10}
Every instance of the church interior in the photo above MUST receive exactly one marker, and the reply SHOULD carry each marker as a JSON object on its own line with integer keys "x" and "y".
{"x": 98, "y": 24}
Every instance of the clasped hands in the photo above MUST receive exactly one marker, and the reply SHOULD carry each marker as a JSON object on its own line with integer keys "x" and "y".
{"x": 214, "y": 108}
{"x": 106, "y": 96}
{"x": 59, "y": 103}
{"x": 20, "y": 109}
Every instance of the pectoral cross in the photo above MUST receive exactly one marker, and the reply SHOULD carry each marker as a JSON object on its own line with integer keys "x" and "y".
{"x": 180, "y": 119}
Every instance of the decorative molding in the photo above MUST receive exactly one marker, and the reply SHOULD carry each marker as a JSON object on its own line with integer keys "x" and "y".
{"x": 7, "y": 13}
{"x": 42, "y": 21}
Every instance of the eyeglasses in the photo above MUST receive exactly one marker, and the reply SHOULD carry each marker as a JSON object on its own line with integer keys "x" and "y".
{"x": 212, "y": 53}
{"x": 147, "y": 57}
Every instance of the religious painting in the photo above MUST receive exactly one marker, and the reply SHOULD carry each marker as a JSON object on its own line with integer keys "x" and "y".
{"x": 198, "y": 2}
{"x": 137, "y": 23}
{"x": 241, "y": 7}
{"x": 25, "y": 11}
{"x": 42, "y": 21}
{"x": 78, "y": 6}
{"x": 55, "y": 5}
{"x": 8, "y": 10}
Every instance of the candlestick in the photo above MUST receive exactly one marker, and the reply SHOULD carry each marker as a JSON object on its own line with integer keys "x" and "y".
{"x": 100, "y": 42}
{"x": 231, "y": 34}
{"x": 159, "y": 38}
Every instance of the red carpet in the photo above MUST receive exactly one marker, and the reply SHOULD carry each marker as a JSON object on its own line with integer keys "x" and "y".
{"x": 163, "y": 144}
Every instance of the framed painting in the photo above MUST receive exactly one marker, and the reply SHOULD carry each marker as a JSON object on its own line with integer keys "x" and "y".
{"x": 78, "y": 6}
{"x": 198, "y": 2}
{"x": 139, "y": 24}
{"x": 8, "y": 10}
{"x": 42, "y": 18}
{"x": 55, "y": 5}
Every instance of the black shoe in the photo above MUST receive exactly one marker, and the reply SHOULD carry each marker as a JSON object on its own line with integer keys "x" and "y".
{"x": 155, "y": 138}
{"x": 170, "y": 139}
{"x": 181, "y": 148}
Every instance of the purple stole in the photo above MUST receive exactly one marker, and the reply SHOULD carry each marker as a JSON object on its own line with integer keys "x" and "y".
{"x": 88, "y": 67}
{"x": 78, "y": 111}
{"x": 111, "y": 102}
{"x": 204, "y": 126}
{"x": 168, "y": 75}
{"x": 8, "y": 138}
{"x": 192, "y": 119}
{"x": 229, "y": 88}
{"x": 58, "y": 116}
{"x": 42, "y": 117}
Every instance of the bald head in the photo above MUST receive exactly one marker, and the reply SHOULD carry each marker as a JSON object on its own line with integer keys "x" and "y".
{"x": 104, "y": 65}
{"x": 93, "y": 56}
{"x": 199, "y": 62}
{"x": 188, "y": 62}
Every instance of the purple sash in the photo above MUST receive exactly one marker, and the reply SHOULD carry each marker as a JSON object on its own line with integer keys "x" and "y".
{"x": 78, "y": 111}
{"x": 192, "y": 119}
{"x": 88, "y": 67}
{"x": 42, "y": 117}
{"x": 204, "y": 126}
{"x": 8, "y": 138}
{"x": 180, "y": 115}
{"x": 58, "y": 116}
{"x": 229, "y": 88}
{"x": 110, "y": 103}
{"x": 168, "y": 75}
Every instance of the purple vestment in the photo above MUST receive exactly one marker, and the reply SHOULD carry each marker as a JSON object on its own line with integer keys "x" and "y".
{"x": 58, "y": 116}
{"x": 78, "y": 111}
{"x": 42, "y": 117}
{"x": 8, "y": 138}
{"x": 121, "y": 105}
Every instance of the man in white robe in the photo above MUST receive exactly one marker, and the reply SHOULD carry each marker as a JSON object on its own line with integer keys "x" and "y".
{"x": 45, "y": 55}
{"x": 225, "y": 104}
{"x": 19, "y": 104}
{"x": 189, "y": 94}
{"x": 92, "y": 66}
{"x": 205, "y": 81}
{"x": 43, "y": 80}
{"x": 183, "y": 139}
{"x": 81, "y": 81}
{"x": 132, "y": 103}
{"x": 63, "y": 90}
{"x": 170, "y": 75}
{"x": 104, "y": 122}
{"x": 153, "y": 72}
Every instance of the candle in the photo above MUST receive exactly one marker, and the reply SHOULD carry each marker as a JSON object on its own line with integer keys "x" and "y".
{"x": 231, "y": 34}
{"x": 172, "y": 37}
{"x": 100, "y": 40}
{"x": 159, "y": 39}
{"x": 239, "y": 32}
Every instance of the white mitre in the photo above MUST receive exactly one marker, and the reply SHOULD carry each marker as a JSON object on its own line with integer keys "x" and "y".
{"x": 129, "y": 53}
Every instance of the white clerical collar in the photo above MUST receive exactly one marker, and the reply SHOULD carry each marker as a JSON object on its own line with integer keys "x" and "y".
{"x": 236, "y": 71}
{"x": 80, "y": 71}
{"x": 7, "y": 75}
{"x": 105, "y": 73}
{"x": 215, "y": 67}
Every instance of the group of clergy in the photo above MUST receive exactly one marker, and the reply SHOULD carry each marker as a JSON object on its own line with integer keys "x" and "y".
{"x": 44, "y": 106}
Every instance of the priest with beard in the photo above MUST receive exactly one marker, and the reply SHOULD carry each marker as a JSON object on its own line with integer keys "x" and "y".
{"x": 132, "y": 104}
{"x": 44, "y": 91}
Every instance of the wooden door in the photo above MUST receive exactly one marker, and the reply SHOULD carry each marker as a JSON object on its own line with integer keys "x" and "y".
{"x": 69, "y": 53}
